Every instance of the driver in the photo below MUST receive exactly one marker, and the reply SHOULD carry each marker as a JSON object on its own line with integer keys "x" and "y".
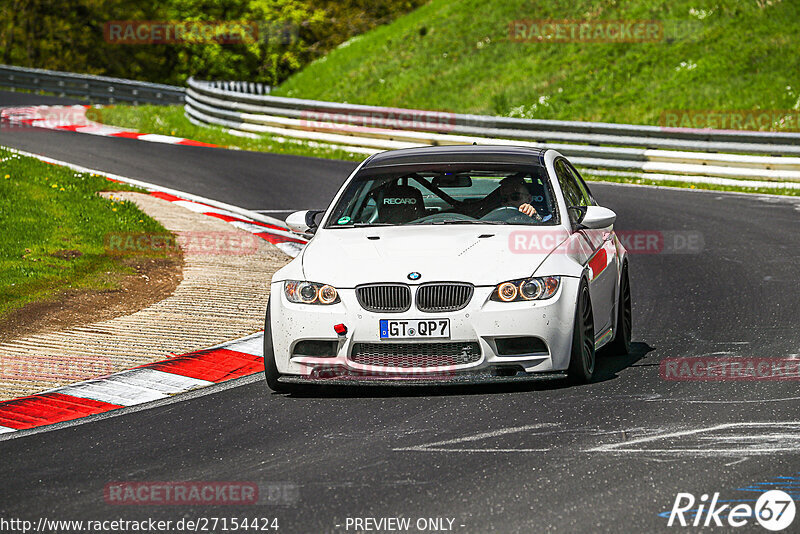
{"x": 512, "y": 192}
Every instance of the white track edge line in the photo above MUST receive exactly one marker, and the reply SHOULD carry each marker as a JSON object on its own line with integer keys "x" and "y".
{"x": 153, "y": 187}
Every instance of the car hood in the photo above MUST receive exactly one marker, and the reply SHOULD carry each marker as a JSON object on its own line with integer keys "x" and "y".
{"x": 481, "y": 255}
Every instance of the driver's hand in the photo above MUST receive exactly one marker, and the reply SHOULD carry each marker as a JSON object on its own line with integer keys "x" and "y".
{"x": 528, "y": 210}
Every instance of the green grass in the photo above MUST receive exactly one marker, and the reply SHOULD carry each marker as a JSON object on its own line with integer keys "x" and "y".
{"x": 456, "y": 55}
{"x": 46, "y": 210}
{"x": 170, "y": 120}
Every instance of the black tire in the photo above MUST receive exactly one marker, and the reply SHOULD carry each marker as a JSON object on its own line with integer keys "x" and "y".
{"x": 621, "y": 344}
{"x": 582, "y": 358}
{"x": 270, "y": 368}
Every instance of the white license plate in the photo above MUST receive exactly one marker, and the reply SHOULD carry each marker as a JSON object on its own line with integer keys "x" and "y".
{"x": 414, "y": 328}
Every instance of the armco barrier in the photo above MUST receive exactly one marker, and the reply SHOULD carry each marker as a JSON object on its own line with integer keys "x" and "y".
{"x": 248, "y": 108}
{"x": 95, "y": 89}
{"x": 243, "y": 107}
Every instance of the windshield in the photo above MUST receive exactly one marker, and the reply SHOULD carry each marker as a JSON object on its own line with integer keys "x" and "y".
{"x": 508, "y": 195}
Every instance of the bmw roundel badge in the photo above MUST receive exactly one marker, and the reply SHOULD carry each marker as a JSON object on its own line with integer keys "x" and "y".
{"x": 414, "y": 276}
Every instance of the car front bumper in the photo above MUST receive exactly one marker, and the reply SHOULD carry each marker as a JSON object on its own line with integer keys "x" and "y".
{"x": 482, "y": 322}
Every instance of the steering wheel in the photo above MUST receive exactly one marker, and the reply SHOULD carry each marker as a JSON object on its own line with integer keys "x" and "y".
{"x": 444, "y": 217}
{"x": 502, "y": 212}
{"x": 502, "y": 209}
{"x": 506, "y": 214}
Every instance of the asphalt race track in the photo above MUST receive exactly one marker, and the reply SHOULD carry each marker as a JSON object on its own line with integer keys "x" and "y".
{"x": 245, "y": 179}
{"x": 521, "y": 458}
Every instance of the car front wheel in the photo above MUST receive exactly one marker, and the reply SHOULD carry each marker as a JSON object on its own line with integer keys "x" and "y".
{"x": 582, "y": 358}
{"x": 621, "y": 344}
{"x": 270, "y": 368}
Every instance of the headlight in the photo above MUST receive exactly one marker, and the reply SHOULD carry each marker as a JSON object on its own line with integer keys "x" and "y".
{"x": 310, "y": 292}
{"x": 539, "y": 288}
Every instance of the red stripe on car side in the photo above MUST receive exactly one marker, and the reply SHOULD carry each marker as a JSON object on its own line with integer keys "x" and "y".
{"x": 598, "y": 263}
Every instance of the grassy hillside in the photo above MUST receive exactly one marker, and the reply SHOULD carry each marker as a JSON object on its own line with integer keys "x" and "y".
{"x": 456, "y": 55}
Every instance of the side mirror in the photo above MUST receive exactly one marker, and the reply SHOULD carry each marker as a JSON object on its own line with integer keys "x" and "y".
{"x": 596, "y": 217}
{"x": 303, "y": 222}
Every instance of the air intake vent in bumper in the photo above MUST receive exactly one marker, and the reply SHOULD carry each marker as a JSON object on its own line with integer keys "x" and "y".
{"x": 416, "y": 354}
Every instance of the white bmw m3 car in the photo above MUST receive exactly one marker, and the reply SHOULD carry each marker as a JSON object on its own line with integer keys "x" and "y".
{"x": 451, "y": 264}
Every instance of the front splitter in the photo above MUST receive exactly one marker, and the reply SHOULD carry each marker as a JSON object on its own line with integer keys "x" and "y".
{"x": 455, "y": 380}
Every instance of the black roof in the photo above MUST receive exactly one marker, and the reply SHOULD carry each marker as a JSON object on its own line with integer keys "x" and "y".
{"x": 449, "y": 154}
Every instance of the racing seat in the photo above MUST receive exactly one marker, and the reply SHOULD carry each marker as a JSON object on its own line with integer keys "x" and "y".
{"x": 399, "y": 204}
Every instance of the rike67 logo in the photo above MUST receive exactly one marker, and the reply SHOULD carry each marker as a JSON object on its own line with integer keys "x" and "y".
{"x": 774, "y": 510}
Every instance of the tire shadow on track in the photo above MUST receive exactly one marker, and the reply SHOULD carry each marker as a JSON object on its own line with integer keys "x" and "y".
{"x": 608, "y": 368}
{"x": 609, "y": 365}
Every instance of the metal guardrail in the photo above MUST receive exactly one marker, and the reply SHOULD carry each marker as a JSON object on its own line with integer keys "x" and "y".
{"x": 245, "y": 88}
{"x": 622, "y": 147}
{"x": 94, "y": 89}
